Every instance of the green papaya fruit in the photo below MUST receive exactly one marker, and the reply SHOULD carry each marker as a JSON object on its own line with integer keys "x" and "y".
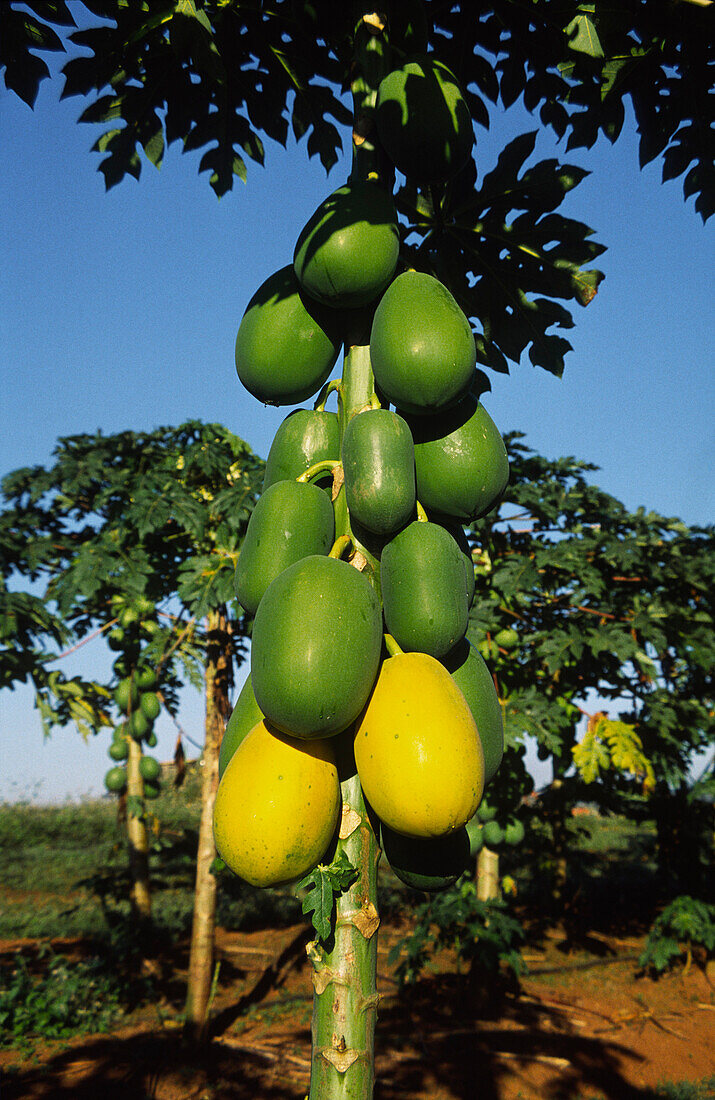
{"x": 493, "y": 834}
{"x": 151, "y": 739}
{"x": 423, "y": 589}
{"x": 126, "y": 695}
{"x": 460, "y": 537}
{"x": 290, "y": 521}
{"x": 507, "y": 638}
{"x": 245, "y": 715}
{"x": 421, "y": 346}
{"x": 347, "y": 252}
{"x": 116, "y": 780}
{"x": 514, "y": 833}
{"x": 116, "y": 639}
{"x": 119, "y": 750}
{"x": 286, "y": 344}
{"x": 472, "y": 677}
{"x": 426, "y": 863}
{"x": 145, "y": 678}
{"x": 150, "y": 705}
{"x": 379, "y": 467}
{"x": 485, "y": 812}
{"x": 151, "y": 789}
{"x": 315, "y": 647}
{"x": 139, "y": 725}
{"x": 150, "y": 768}
{"x": 423, "y": 120}
{"x": 461, "y": 463}
{"x": 305, "y": 437}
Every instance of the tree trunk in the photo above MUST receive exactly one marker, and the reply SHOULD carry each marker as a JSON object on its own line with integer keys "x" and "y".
{"x": 344, "y": 979}
{"x": 140, "y": 895}
{"x": 345, "y": 975}
{"x": 217, "y": 678}
{"x": 487, "y": 875}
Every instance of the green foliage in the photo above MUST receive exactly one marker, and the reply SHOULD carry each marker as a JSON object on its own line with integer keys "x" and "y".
{"x": 323, "y": 885}
{"x": 68, "y": 998}
{"x": 222, "y": 78}
{"x": 684, "y": 924}
{"x": 117, "y": 525}
{"x": 484, "y": 935}
{"x": 602, "y": 600}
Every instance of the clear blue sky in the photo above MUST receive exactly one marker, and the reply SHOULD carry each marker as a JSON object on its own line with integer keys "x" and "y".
{"x": 119, "y": 311}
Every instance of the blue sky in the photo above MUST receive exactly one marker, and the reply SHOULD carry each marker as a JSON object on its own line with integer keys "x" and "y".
{"x": 119, "y": 311}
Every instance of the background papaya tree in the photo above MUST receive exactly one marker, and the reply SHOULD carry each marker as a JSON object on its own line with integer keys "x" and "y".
{"x": 151, "y": 519}
{"x": 585, "y": 605}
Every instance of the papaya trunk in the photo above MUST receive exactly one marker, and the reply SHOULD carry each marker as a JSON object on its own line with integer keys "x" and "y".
{"x": 344, "y": 978}
{"x": 487, "y": 875}
{"x": 345, "y": 970}
{"x": 217, "y": 679}
{"x": 138, "y": 838}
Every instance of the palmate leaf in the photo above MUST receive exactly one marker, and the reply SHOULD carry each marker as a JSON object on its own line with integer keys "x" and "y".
{"x": 21, "y": 34}
{"x": 505, "y": 254}
{"x": 323, "y": 885}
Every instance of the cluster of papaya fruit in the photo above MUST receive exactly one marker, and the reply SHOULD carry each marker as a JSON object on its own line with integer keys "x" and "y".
{"x": 365, "y": 659}
{"x": 135, "y": 697}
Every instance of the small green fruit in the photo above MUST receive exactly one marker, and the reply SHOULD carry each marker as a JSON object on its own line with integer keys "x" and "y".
{"x": 116, "y": 780}
{"x": 150, "y": 768}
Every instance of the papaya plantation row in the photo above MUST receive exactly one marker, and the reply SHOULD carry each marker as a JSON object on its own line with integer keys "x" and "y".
{"x": 355, "y": 564}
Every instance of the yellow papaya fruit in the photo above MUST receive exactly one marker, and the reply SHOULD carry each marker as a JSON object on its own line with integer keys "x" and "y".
{"x": 417, "y": 749}
{"x": 276, "y": 807}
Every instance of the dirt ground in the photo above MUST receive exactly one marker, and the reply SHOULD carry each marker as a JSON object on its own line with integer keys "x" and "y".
{"x": 579, "y": 1027}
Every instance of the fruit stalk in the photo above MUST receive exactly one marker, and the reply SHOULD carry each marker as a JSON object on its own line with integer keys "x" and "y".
{"x": 345, "y": 970}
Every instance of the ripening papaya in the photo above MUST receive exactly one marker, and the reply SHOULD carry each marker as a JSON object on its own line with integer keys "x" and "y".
{"x": 461, "y": 463}
{"x": 472, "y": 677}
{"x": 290, "y": 521}
{"x": 244, "y": 716}
{"x": 422, "y": 347}
{"x": 287, "y": 344}
{"x": 423, "y": 120}
{"x": 305, "y": 437}
{"x": 315, "y": 648}
{"x": 417, "y": 750}
{"x": 379, "y": 468}
{"x": 424, "y": 593}
{"x": 276, "y": 806}
{"x": 426, "y": 863}
{"x": 347, "y": 252}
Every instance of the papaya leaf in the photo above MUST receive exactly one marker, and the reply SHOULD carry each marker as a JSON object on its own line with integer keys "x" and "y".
{"x": 324, "y": 884}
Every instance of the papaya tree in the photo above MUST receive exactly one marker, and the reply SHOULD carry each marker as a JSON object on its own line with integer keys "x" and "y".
{"x": 419, "y": 268}
{"x": 134, "y": 538}
{"x": 582, "y": 598}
